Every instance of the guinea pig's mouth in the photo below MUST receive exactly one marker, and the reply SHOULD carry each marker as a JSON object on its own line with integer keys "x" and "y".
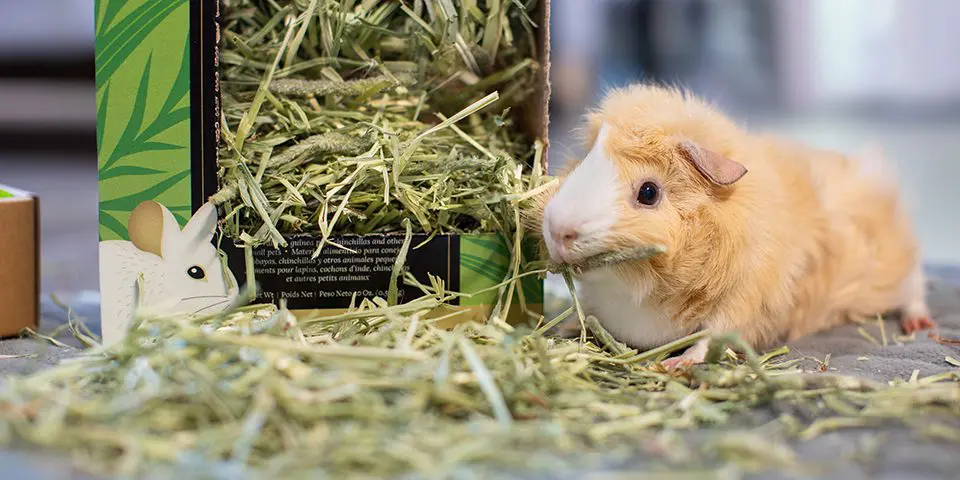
{"x": 607, "y": 259}
{"x": 570, "y": 256}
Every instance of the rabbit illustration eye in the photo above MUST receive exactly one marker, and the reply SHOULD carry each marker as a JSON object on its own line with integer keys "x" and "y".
{"x": 196, "y": 272}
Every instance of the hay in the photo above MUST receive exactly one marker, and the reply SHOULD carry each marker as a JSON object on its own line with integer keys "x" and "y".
{"x": 381, "y": 391}
{"x": 350, "y": 117}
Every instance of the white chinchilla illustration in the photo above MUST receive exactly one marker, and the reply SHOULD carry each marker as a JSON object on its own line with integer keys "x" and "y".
{"x": 182, "y": 270}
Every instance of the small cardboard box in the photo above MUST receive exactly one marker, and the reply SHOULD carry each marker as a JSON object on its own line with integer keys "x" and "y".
{"x": 158, "y": 122}
{"x": 19, "y": 261}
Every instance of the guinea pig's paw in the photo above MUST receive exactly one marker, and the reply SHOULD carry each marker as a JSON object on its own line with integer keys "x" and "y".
{"x": 916, "y": 323}
{"x": 676, "y": 363}
{"x": 692, "y": 356}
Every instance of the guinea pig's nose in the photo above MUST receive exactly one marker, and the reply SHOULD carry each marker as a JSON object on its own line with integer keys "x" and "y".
{"x": 565, "y": 234}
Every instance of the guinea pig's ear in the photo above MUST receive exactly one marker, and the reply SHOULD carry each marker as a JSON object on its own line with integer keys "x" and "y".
{"x": 716, "y": 168}
{"x": 146, "y": 227}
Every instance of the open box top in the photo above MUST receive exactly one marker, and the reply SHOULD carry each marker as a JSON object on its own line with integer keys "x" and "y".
{"x": 158, "y": 137}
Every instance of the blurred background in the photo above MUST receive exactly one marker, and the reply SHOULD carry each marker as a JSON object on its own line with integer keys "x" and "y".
{"x": 48, "y": 130}
{"x": 834, "y": 73}
{"x": 838, "y": 74}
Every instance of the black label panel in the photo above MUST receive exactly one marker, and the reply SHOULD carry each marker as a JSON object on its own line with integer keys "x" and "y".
{"x": 331, "y": 279}
{"x": 204, "y": 99}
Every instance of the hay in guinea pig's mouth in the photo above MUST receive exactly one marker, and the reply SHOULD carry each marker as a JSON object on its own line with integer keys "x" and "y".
{"x": 607, "y": 259}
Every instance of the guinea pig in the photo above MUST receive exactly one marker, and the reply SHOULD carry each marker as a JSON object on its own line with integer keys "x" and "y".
{"x": 764, "y": 237}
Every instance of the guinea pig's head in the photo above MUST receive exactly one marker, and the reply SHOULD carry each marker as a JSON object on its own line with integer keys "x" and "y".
{"x": 657, "y": 160}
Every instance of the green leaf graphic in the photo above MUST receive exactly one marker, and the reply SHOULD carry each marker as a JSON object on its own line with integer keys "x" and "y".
{"x": 131, "y": 170}
{"x": 128, "y": 202}
{"x": 533, "y": 290}
{"x": 109, "y": 14}
{"x": 108, "y": 38}
{"x": 102, "y": 116}
{"x": 169, "y": 115}
{"x": 166, "y": 120}
{"x": 492, "y": 242}
{"x": 112, "y": 224}
{"x": 143, "y": 111}
{"x": 129, "y": 35}
{"x": 156, "y": 146}
{"x": 484, "y": 263}
{"x": 181, "y": 86}
{"x": 128, "y": 139}
{"x": 483, "y": 267}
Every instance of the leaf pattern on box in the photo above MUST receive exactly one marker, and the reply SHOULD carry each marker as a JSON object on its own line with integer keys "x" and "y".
{"x": 143, "y": 108}
{"x": 484, "y": 263}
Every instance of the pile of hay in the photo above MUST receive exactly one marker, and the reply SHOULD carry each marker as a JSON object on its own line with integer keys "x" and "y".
{"x": 346, "y": 117}
{"x": 381, "y": 392}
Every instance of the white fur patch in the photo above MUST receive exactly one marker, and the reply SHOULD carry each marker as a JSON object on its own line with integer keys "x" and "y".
{"x": 623, "y": 310}
{"x": 587, "y": 200}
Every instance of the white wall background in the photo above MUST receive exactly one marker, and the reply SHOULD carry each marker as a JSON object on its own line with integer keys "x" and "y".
{"x": 903, "y": 51}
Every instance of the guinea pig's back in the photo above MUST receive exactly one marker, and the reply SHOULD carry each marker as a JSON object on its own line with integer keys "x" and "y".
{"x": 871, "y": 248}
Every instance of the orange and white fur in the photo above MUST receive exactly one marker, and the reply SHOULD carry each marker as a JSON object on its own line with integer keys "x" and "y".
{"x": 764, "y": 237}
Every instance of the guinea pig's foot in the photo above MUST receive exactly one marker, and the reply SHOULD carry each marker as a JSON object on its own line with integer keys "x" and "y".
{"x": 692, "y": 356}
{"x": 678, "y": 362}
{"x": 916, "y": 323}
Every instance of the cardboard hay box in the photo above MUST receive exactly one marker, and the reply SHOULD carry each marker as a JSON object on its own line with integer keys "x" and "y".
{"x": 158, "y": 119}
{"x": 19, "y": 261}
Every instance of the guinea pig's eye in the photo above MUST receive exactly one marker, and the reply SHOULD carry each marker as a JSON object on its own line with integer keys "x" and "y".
{"x": 648, "y": 194}
{"x": 196, "y": 272}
